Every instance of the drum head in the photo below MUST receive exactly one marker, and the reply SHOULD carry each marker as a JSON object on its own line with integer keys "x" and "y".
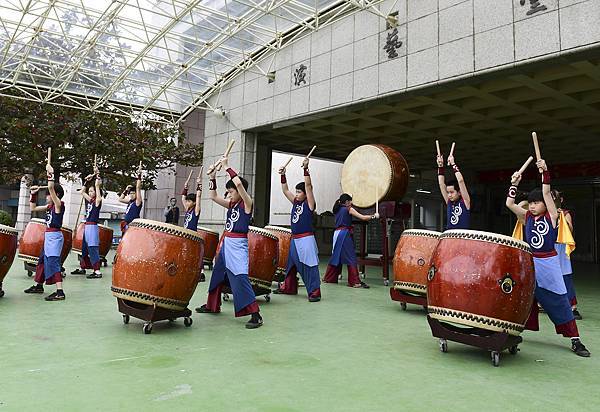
{"x": 8, "y": 230}
{"x": 279, "y": 229}
{"x": 366, "y": 174}
{"x": 262, "y": 232}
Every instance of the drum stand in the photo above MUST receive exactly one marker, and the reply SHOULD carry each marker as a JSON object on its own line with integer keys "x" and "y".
{"x": 384, "y": 260}
{"x": 151, "y": 314}
{"x": 404, "y": 298}
{"x": 495, "y": 342}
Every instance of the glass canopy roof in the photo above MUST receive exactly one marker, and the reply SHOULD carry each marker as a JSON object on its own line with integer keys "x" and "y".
{"x": 154, "y": 57}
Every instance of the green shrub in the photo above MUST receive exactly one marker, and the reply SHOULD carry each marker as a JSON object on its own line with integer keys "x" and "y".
{"x": 5, "y": 218}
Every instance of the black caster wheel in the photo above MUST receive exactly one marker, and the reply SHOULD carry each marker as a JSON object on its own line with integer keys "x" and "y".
{"x": 187, "y": 322}
{"x": 225, "y": 297}
{"x": 496, "y": 358}
{"x": 339, "y": 277}
{"x": 513, "y": 350}
{"x": 267, "y": 298}
{"x": 147, "y": 328}
{"x": 386, "y": 282}
{"x": 403, "y": 305}
{"x": 443, "y": 345}
{"x": 425, "y": 308}
{"x": 29, "y": 273}
{"x": 126, "y": 319}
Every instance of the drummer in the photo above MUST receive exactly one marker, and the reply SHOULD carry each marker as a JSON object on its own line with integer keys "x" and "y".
{"x": 133, "y": 200}
{"x": 192, "y": 205}
{"x": 48, "y": 269}
{"x": 456, "y": 196}
{"x": 540, "y": 232}
{"x": 343, "y": 245}
{"x": 90, "y": 247}
{"x": 231, "y": 264}
{"x": 303, "y": 255}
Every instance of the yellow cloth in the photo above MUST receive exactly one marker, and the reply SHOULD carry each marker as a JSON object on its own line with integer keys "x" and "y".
{"x": 518, "y": 231}
{"x": 564, "y": 234}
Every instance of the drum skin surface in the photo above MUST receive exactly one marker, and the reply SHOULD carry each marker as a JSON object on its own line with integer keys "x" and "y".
{"x": 105, "y": 234}
{"x": 284, "y": 235}
{"x": 412, "y": 260}
{"x": 374, "y": 171}
{"x": 32, "y": 241}
{"x": 211, "y": 241}
{"x": 8, "y": 249}
{"x": 157, "y": 263}
{"x": 482, "y": 280}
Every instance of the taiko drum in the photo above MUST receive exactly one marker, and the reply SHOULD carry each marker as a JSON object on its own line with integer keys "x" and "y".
{"x": 157, "y": 264}
{"x": 105, "y": 235}
{"x": 8, "y": 249}
{"x": 284, "y": 236}
{"x": 32, "y": 241}
{"x": 482, "y": 280}
{"x": 412, "y": 260}
{"x": 211, "y": 241}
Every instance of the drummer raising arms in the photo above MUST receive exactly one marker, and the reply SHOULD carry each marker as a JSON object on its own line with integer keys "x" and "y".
{"x": 90, "y": 248}
{"x": 343, "y": 245}
{"x": 455, "y": 194}
{"x": 191, "y": 203}
{"x": 303, "y": 255}
{"x": 133, "y": 200}
{"x": 49, "y": 264}
{"x": 540, "y": 233}
{"x": 231, "y": 264}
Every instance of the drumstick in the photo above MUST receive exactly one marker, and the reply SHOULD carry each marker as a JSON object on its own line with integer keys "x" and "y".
{"x": 49, "y": 154}
{"x": 288, "y": 162}
{"x": 190, "y": 175}
{"x": 78, "y": 213}
{"x": 376, "y": 199}
{"x": 527, "y": 162}
{"x": 536, "y": 146}
{"x": 95, "y": 160}
{"x": 201, "y": 170}
{"x": 218, "y": 164}
{"x": 452, "y": 149}
{"x": 311, "y": 152}
{"x": 437, "y": 145}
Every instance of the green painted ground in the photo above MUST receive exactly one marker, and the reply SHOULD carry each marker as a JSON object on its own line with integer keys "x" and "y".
{"x": 354, "y": 351}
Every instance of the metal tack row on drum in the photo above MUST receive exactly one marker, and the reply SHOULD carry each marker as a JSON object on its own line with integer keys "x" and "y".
{"x": 477, "y": 286}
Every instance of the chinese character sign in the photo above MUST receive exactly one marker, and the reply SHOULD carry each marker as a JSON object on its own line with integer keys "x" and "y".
{"x": 300, "y": 75}
{"x": 392, "y": 44}
{"x": 534, "y": 6}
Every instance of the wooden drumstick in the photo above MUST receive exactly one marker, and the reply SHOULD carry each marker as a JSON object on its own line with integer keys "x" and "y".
{"x": 190, "y": 175}
{"x": 376, "y": 199}
{"x": 311, "y": 152}
{"x": 288, "y": 162}
{"x": 525, "y": 165}
{"x": 452, "y": 149}
{"x": 49, "y": 155}
{"x": 437, "y": 146}
{"x": 218, "y": 165}
{"x": 536, "y": 146}
{"x": 95, "y": 160}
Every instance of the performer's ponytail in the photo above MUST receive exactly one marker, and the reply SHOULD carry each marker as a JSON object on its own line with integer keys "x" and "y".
{"x": 338, "y": 203}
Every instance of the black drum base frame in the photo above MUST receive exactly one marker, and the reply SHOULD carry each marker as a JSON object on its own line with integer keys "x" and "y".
{"x": 151, "y": 313}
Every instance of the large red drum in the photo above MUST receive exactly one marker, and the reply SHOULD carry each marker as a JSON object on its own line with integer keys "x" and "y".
{"x": 284, "y": 235}
{"x": 8, "y": 249}
{"x": 482, "y": 280}
{"x": 105, "y": 234}
{"x": 157, "y": 264}
{"x": 32, "y": 241}
{"x": 412, "y": 260}
{"x": 211, "y": 241}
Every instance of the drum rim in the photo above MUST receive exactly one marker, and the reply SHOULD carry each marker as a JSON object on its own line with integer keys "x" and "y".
{"x": 38, "y": 220}
{"x": 449, "y": 234}
{"x": 262, "y": 231}
{"x": 179, "y": 231}
{"x": 205, "y": 229}
{"x": 66, "y": 229}
{"x": 9, "y": 230}
{"x": 430, "y": 233}
{"x": 278, "y": 228}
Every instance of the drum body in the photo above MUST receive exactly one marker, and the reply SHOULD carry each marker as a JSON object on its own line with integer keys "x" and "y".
{"x": 374, "y": 171}
{"x": 482, "y": 280}
{"x": 157, "y": 264}
{"x": 412, "y": 260}
{"x": 105, "y": 235}
{"x": 32, "y": 241}
{"x": 284, "y": 235}
{"x": 263, "y": 250}
{"x": 8, "y": 249}
{"x": 211, "y": 241}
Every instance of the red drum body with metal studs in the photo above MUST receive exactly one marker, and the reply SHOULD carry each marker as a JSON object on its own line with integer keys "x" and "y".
{"x": 211, "y": 241}
{"x": 263, "y": 251}
{"x": 284, "y": 236}
{"x": 8, "y": 249}
{"x": 32, "y": 241}
{"x": 105, "y": 234}
{"x": 157, "y": 264}
{"x": 482, "y": 280}
{"x": 412, "y": 260}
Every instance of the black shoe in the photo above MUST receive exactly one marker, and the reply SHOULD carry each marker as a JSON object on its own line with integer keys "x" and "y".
{"x": 579, "y": 348}
{"x": 202, "y": 277}
{"x": 78, "y": 272}
{"x": 204, "y": 309}
{"x": 58, "y": 295}
{"x": 35, "y": 289}
{"x": 314, "y": 298}
{"x": 577, "y": 315}
{"x": 364, "y": 285}
{"x": 1, "y": 293}
{"x": 254, "y": 322}
{"x": 94, "y": 275}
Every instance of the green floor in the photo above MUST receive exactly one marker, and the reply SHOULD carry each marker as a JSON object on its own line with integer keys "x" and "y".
{"x": 354, "y": 351}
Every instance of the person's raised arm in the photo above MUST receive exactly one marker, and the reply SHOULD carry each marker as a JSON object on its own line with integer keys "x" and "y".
{"x": 124, "y": 196}
{"x": 441, "y": 178}
{"x": 98, "y": 185}
{"x": 510, "y": 198}
{"x": 212, "y": 188}
{"x": 55, "y": 200}
{"x": 138, "y": 187}
{"x": 310, "y": 196}
{"x": 238, "y": 185}
{"x": 33, "y": 200}
{"x": 199, "y": 193}
{"x": 360, "y": 216}
{"x": 464, "y": 193}
{"x": 547, "y": 191}
{"x": 284, "y": 186}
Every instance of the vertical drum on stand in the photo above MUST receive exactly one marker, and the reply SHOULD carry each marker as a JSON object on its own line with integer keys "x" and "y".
{"x": 105, "y": 234}
{"x": 32, "y": 242}
{"x": 284, "y": 235}
{"x": 211, "y": 241}
{"x": 8, "y": 249}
